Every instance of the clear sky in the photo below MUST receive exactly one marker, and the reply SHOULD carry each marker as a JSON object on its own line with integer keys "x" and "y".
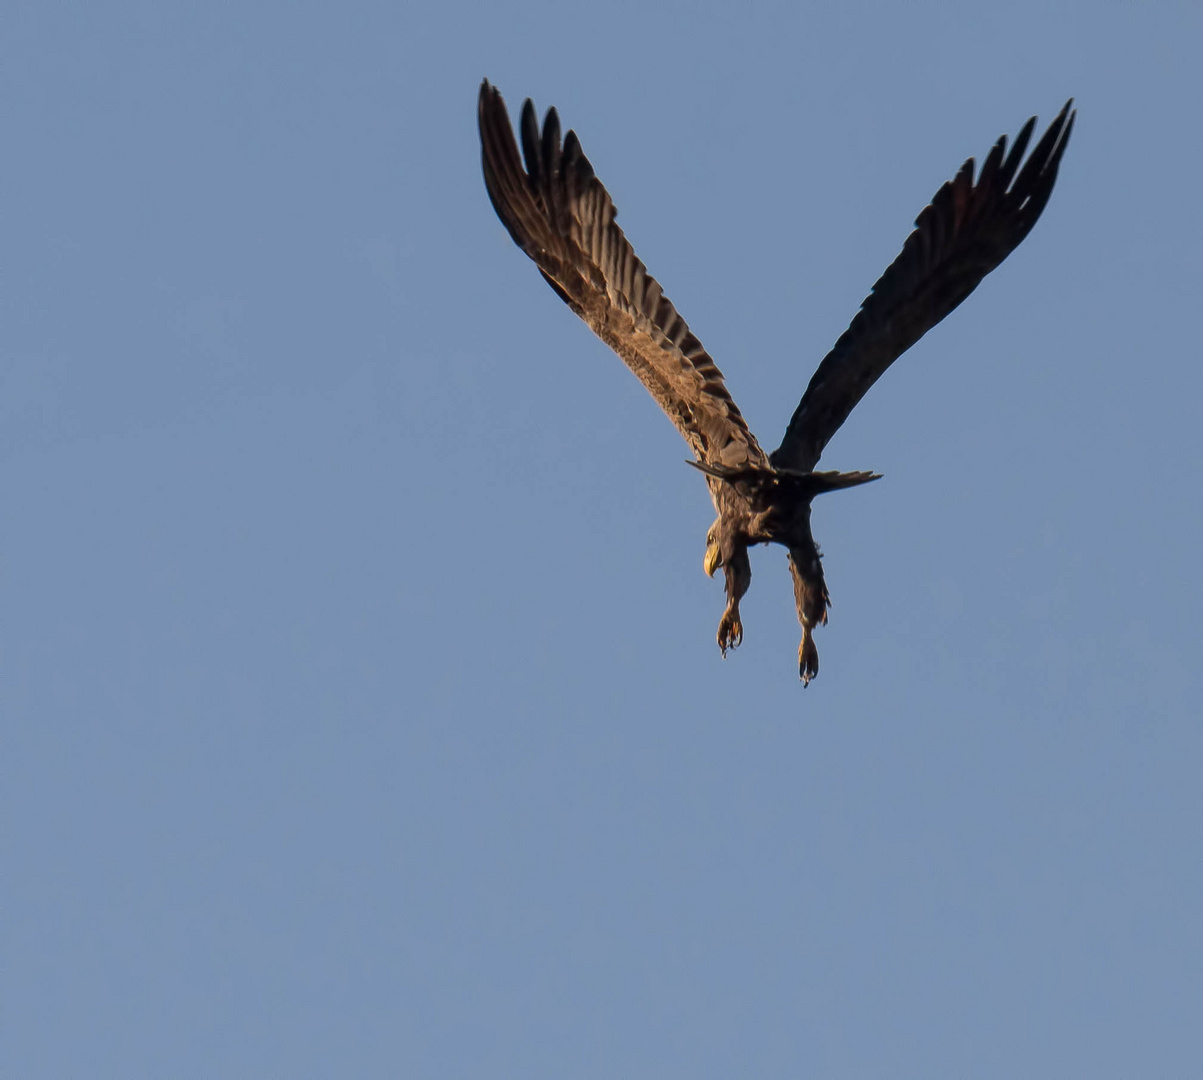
{"x": 363, "y": 715}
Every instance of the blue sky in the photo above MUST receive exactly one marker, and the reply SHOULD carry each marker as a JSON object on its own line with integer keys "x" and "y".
{"x": 364, "y": 711}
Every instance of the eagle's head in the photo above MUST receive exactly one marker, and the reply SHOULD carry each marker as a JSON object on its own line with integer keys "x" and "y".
{"x": 714, "y": 554}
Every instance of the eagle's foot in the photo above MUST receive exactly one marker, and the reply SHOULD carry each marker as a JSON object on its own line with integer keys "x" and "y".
{"x": 730, "y": 630}
{"x": 808, "y": 657}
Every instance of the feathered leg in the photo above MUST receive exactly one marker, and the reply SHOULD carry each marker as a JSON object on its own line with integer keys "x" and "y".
{"x": 737, "y": 568}
{"x": 811, "y": 598}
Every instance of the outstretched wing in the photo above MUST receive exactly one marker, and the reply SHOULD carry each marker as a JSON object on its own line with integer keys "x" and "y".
{"x": 966, "y": 231}
{"x": 559, "y": 213}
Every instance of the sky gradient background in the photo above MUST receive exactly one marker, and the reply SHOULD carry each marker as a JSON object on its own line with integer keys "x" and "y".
{"x": 364, "y": 716}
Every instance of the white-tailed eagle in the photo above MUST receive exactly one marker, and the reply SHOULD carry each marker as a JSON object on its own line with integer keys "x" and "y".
{"x": 559, "y": 213}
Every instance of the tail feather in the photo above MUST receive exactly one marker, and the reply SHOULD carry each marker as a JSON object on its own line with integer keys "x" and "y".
{"x": 816, "y": 483}
{"x": 811, "y": 483}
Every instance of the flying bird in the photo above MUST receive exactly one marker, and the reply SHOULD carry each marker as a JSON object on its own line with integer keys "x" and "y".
{"x": 561, "y": 215}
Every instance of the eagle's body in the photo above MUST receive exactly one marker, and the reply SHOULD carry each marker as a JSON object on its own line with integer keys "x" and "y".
{"x": 559, "y": 213}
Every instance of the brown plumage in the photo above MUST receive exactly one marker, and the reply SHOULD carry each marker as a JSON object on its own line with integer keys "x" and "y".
{"x": 559, "y": 213}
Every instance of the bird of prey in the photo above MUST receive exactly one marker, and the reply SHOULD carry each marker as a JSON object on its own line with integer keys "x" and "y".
{"x": 558, "y": 212}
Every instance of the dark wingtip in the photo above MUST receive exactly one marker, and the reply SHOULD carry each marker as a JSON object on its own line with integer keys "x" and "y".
{"x": 1063, "y": 122}
{"x": 1068, "y": 115}
{"x": 528, "y": 126}
{"x": 489, "y": 100}
{"x": 1069, "y": 126}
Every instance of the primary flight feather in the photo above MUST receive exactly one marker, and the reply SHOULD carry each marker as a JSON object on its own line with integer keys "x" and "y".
{"x": 561, "y": 215}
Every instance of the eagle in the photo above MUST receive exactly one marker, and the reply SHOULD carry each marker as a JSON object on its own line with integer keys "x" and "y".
{"x": 558, "y": 212}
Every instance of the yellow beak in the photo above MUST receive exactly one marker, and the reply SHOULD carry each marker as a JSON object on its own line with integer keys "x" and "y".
{"x": 712, "y": 561}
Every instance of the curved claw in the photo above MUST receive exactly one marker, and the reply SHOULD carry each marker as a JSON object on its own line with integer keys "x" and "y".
{"x": 730, "y": 631}
{"x": 808, "y": 657}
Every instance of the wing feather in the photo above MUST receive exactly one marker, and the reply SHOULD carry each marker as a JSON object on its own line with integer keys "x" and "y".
{"x": 559, "y": 213}
{"x": 963, "y": 234}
